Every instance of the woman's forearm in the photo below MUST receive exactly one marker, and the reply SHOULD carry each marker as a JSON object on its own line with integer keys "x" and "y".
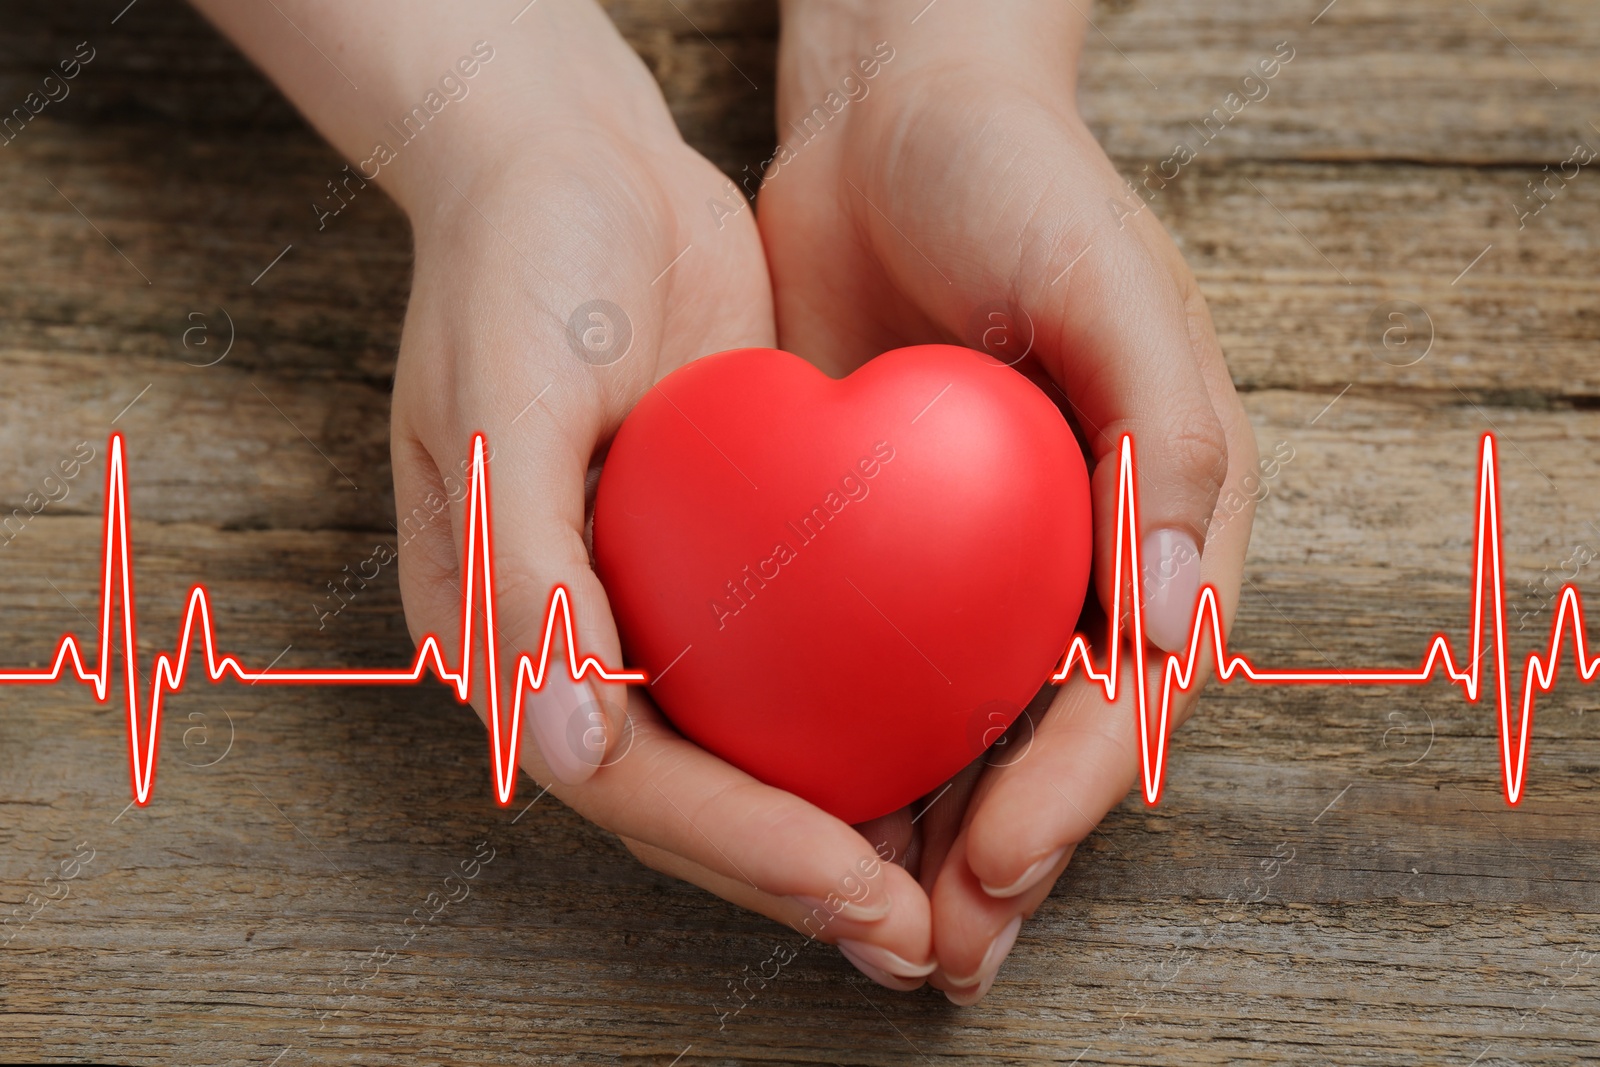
{"x": 418, "y": 91}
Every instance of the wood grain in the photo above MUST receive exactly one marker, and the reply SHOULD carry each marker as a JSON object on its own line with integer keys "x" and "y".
{"x": 1435, "y": 82}
{"x": 1408, "y": 916}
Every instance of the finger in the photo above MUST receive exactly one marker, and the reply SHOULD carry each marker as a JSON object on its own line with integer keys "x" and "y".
{"x": 1084, "y": 759}
{"x": 973, "y": 932}
{"x": 670, "y": 794}
{"x": 1227, "y": 530}
{"x": 1118, "y": 343}
{"x": 1028, "y": 815}
{"x": 1227, "y": 535}
{"x": 1025, "y": 821}
{"x": 537, "y": 475}
{"x": 883, "y": 951}
{"x": 1085, "y": 756}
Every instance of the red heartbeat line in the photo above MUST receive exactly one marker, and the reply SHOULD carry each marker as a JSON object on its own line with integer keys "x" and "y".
{"x": 1178, "y": 675}
{"x": 1179, "y": 671}
{"x": 170, "y": 670}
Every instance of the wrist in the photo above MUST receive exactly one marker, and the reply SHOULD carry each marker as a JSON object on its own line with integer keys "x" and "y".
{"x": 416, "y": 94}
{"x": 1024, "y": 40}
{"x": 555, "y": 173}
{"x": 568, "y": 81}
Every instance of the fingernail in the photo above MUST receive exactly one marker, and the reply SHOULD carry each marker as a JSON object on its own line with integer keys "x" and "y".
{"x": 1171, "y": 565}
{"x": 850, "y": 909}
{"x": 569, "y": 727}
{"x": 851, "y": 950}
{"x": 990, "y": 966}
{"x": 876, "y": 956}
{"x": 884, "y": 978}
{"x": 966, "y": 998}
{"x": 1028, "y": 879}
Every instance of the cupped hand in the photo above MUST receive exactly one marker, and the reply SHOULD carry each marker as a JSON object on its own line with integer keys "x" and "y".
{"x": 566, "y": 260}
{"x": 951, "y": 192}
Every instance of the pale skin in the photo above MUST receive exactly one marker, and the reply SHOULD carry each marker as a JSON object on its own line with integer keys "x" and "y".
{"x": 561, "y": 178}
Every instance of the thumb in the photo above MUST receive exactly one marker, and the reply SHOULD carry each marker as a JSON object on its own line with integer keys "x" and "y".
{"x": 535, "y": 480}
{"x": 1089, "y": 294}
{"x": 1117, "y": 340}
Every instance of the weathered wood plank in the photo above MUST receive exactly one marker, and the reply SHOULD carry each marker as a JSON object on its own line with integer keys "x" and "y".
{"x": 1303, "y": 267}
{"x": 185, "y": 428}
{"x": 1416, "y": 902}
{"x": 1418, "y": 920}
{"x": 1298, "y": 262}
{"x": 1435, "y": 82}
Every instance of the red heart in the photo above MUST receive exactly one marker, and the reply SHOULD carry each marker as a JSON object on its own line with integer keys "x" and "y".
{"x": 846, "y": 588}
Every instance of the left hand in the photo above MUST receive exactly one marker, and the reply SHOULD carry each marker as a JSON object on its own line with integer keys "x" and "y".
{"x": 954, "y": 193}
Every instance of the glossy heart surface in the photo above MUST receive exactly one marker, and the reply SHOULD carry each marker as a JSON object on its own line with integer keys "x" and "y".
{"x": 847, "y": 588}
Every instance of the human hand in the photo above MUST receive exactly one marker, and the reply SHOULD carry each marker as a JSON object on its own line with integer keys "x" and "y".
{"x": 597, "y": 198}
{"x": 956, "y": 194}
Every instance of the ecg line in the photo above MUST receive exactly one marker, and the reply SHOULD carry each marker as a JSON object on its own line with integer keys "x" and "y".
{"x": 171, "y": 669}
{"x": 1178, "y": 673}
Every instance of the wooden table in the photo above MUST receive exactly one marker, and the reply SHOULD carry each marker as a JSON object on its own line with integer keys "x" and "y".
{"x": 1333, "y": 875}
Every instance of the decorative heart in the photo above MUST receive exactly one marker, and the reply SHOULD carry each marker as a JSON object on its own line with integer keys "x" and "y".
{"x": 846, "y": 588}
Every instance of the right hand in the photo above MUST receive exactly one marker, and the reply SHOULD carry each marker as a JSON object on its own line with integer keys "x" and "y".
{"x": 961, "y": 193}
